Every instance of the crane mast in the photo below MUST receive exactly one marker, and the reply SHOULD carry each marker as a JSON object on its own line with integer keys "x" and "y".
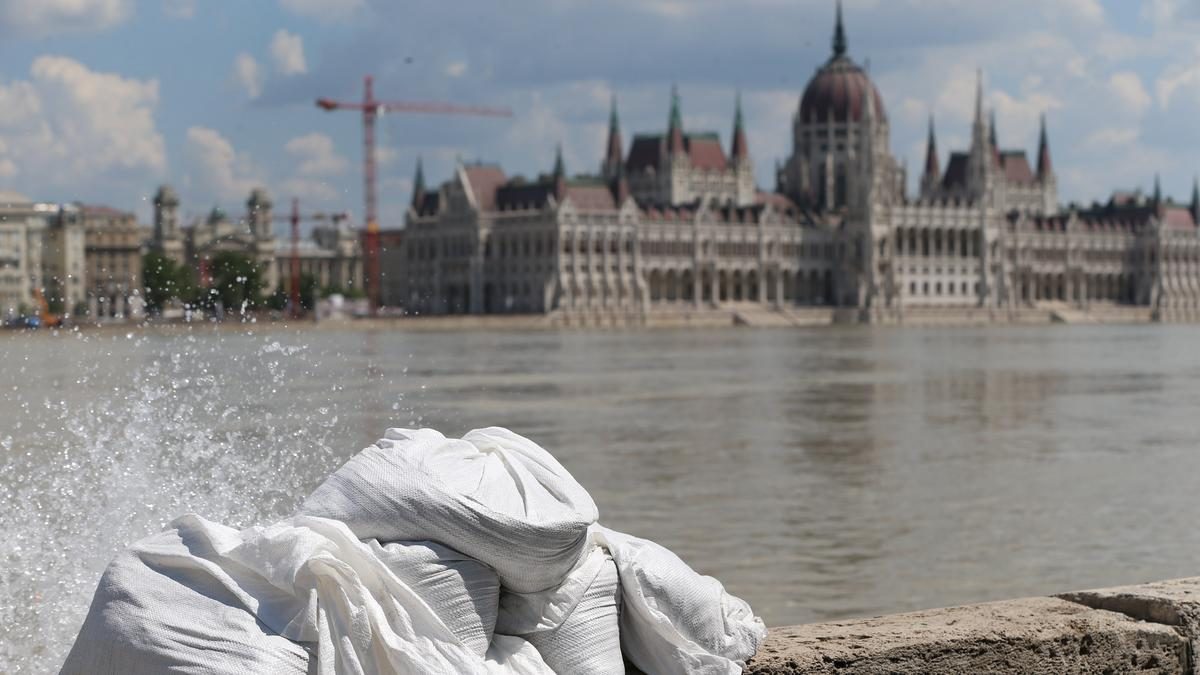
{"x": 371, "y": 108}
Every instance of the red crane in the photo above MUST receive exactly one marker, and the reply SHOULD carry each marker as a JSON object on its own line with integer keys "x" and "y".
{"x": 294, "y": 218}
{"x": 372, "y": 108}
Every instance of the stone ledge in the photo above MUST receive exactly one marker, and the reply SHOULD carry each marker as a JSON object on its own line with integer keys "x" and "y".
{"x": 1031, "y": 635}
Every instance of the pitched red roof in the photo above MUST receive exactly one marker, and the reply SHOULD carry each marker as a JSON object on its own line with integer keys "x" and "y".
{"x": 706, "y": 152}
{"x": 482, "y": 182}
{"x": 1016, "y": 167}
{"x": 703, "y": 149}
{"x": 1177, "y": 218}
{"x": 591, "y": 197}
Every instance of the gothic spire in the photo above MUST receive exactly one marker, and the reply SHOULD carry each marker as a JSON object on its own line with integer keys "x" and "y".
{"x": 740, "y": 150}
{"x": 839, "y": 34}
{"x": 1157, "y": 191}
{"x": 1196, "y": 199}
{"x": 1044, "y": 168}
{"x": 995, "y": 145}
{"x": 559, "y": 170}
{"x": 932, "y": 168}
{"x": 612, "y": 156}
{"x": 675, "y": 125}
{"x": 418, "y": 191}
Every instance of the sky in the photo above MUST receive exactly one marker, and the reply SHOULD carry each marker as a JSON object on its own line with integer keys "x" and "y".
{"x": 103, "y": 100}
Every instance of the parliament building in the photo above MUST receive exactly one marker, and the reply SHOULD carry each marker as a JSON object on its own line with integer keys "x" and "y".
{"x": 676, "y": 224}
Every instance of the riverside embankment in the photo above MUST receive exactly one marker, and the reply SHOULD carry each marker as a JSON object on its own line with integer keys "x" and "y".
{"x": 1148, "y": 628}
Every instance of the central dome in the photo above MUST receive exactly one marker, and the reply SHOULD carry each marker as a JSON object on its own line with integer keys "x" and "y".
{"x": 838, "y": 91}
{"x": 839, "y": 87}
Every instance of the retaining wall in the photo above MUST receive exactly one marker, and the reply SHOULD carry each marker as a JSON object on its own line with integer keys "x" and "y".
{"x": 1149, "y": 628}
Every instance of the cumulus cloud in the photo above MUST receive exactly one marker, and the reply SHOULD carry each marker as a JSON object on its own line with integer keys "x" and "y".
{"x": 68, "y": 126}
{"x": 214, "y": 170}
{"x": 40, "y": 18}
{"x": 248, "y": 75}
{"x": 1127, "y": 88}
{"x": 287, "y": 50}
{"x": 324, "y": 10}
{"x": 315, "y": 155}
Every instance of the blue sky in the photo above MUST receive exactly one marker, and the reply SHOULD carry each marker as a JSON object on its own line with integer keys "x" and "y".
{"x": 102, "y": 100}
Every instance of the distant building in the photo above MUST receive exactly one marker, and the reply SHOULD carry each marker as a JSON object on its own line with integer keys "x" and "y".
{"x": 678, "y": 224}
{"x": 391, "y": 268}
{"x": 197, "y": 244}
{"x": 332, "y": 253}
{"x": 22, "y": 231}
{"x": 114, "y": 245}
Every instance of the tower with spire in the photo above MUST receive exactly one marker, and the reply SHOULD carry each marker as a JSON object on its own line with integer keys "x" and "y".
{"x": 612, "y": 149}
{"x": 931, "y": 177}
{"x": 418, "y": 190}
{"x": 739, "y": 156}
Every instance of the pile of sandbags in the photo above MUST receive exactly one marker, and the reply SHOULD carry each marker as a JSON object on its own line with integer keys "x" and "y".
{"x": 421, "y": 554}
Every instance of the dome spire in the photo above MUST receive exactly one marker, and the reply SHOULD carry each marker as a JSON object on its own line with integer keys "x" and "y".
{"x": 839, "y": 34}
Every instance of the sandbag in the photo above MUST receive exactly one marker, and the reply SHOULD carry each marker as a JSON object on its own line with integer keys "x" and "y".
{"x": 673, "y": 620}
{"x": 308, "y": 580}
{"x": 493, "y": 495}
{"x": 575, "y": 626}
{"x": 159, "y": 609}
{"x": 464, "y": 593}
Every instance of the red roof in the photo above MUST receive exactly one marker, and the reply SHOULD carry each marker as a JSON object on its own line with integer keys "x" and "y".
{"x": 1016, "y": 167}
{"x": 703, "y": 149}
{"x": 482, "y": 181}
{"x": 591, "y": 197}
{"x": 1177, "y": 218}
{"x": 838, "y": 90}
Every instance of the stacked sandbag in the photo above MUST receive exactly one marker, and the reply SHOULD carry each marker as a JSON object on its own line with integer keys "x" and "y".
{"x": 574, "y": 626}
{"x": 162, "y": 606}
{"x": 493, "y": 495}
{"x": 674, "y": 620}
{"x": 421, "y": 554}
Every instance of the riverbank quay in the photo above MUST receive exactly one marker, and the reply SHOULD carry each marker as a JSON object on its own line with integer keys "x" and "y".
{"x": 1147, "y": 628}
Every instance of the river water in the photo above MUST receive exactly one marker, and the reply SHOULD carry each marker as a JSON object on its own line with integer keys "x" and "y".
{"x": 820, "y": 474}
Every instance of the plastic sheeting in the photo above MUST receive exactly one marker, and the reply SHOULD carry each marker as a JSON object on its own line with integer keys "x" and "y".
{"x": 421, "y": 554}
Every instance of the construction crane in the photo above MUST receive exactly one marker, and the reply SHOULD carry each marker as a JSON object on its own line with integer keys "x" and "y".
{"x": 372, "y": 108}
{"x": 294, "y": 218}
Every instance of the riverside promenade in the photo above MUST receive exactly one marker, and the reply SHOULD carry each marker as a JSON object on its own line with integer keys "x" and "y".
{"x": 1148, "y": 628}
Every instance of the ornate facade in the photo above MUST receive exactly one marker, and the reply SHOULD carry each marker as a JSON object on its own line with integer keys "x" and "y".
{"x": 678, "y": 224}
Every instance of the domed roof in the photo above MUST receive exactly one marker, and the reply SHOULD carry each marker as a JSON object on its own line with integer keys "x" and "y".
{"x": 839, "y": 87}
{"x": 838, "y": 90}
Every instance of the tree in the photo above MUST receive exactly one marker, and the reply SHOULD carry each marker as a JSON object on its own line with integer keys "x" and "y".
{"x": 165, "y": 280}
{"x": 237, "y": 281}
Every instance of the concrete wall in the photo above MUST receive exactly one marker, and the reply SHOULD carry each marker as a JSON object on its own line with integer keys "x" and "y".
{"x": 1151, "y": 628}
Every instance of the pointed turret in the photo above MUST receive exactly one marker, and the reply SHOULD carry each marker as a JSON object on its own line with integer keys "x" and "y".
{"x": 979, "y": 126}
{"x": 418, "y": 190}
{"x": 675, "y": 126}
{"x": 559, "y": 176}
{"x": 739, "y": 150}
{"x": 839, "y": 34}
{"x": 612, "y": 153}
{"x": 1157, "y": 192}
{"x": 1196, "y": 200}
{"x": 1044, "y": 168}
{"x": 933, "y": 170}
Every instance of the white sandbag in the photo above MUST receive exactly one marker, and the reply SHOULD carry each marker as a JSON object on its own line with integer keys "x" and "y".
{"x": 464, "y": 593}
{"x": 574, "y": 627}
{"x": 673, "y": 620}
{"x": 311, "y": 581}
{"x": 494, "y": 496}
{"x": 157, "y": 609}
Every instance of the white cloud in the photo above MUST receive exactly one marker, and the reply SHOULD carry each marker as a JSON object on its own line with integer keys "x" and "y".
{"x": 1178, "y": 78}
{"x": 287, "y": 49}
{"x": 315, "y": 155}
{"x": 248, "y": 75}
{"x": 456, "y": 68}
{"x": 325, "y": 10}
{"x": 1127, "y": 87}
{"x": 39, "y": 18}
{"x": 215, "y": 171}
{"x": 69, "y": 126}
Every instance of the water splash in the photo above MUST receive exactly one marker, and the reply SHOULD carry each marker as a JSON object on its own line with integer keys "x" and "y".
{"x": 153, "y": 427}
